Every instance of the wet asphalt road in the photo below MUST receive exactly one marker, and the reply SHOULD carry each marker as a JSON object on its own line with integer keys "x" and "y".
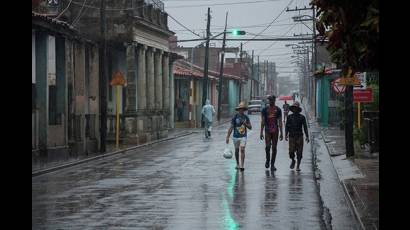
{"x": 181, "y": 184}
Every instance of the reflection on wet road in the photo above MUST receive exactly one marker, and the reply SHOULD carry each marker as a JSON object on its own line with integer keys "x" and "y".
{"x": 181, "y": 184}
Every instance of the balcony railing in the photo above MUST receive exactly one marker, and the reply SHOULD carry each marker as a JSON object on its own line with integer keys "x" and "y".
{"x": 157, "y": 4}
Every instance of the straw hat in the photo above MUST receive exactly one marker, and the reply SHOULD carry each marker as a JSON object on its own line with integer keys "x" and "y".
{"x": 241, "y": 105}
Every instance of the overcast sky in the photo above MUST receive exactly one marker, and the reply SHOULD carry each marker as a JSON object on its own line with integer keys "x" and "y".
{"x": 253, "y": 16}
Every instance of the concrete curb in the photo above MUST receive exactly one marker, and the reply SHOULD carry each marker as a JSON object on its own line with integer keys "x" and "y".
{"x": 71, "y": 164}
{"x": 67, "y": 165}
{"x": 346, "y": 192}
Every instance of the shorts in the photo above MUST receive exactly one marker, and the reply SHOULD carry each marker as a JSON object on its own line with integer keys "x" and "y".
{"x": 239, "y": 141}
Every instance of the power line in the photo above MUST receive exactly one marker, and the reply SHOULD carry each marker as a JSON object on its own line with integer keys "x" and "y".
{"x": 269, "y": 36}
{"x": 107, "y": 9}
{"x": 190, "y": 0}
{"x": 218, "y": 4}
{"x": 275, "y": 42}
{"x": 274, "y": 19}
{"x": 79, "y": 14}
{"x": 267, "y": 23}
{"x": 134, "y": 8}
{"x": 247, "y": 39}
{"x": 239, "y": 26}
{"x": 272, "y": 55}
{"x": 179, "y": 22}
{"x": 183, "y": 25}
{"x": 62, "y": 12}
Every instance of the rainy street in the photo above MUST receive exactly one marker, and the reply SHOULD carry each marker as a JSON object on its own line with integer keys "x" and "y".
{"x": 122, "y": 90}
{"x": 181, "y": 184}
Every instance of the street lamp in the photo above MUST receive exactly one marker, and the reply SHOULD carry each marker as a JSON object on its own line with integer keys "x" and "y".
{"x": 300, "y": 18}
{"x": 297, "y": 46}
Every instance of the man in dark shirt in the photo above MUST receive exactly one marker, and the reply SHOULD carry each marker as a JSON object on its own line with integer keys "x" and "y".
{"x": 293, "y": 131}
{"x": 271, "y": 122}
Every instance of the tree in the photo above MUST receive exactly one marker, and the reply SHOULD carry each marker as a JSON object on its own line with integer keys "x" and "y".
{"x": 352, "y": 30}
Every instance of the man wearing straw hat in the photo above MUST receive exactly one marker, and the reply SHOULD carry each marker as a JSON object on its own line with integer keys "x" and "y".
{"x": 293, "y": 131}
{"x": 239, "y": 125}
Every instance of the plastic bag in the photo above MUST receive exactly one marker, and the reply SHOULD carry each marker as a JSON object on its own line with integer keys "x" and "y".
{"x": 227, "y": 152}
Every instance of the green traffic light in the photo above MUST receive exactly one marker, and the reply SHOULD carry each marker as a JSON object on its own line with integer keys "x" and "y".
{"x": 237, "y": 32}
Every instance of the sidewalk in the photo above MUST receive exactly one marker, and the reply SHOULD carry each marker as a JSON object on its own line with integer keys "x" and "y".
{"x": 359, "y": 177}
{"x": 45, "y": 167}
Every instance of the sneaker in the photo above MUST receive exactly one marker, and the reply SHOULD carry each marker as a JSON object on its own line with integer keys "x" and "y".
{"x": 242, "y": 169}
{"x": 292, "y": 165}
{"x": 273, "y": 168}
{"x": 298, "y": 169}
{"x": 237, "y": 167}
{"x": 267, "y": 164}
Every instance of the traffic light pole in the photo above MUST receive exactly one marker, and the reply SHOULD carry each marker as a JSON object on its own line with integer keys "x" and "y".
{"x": 221, "y": 71}
{"x": 205, "y": 82}
{"x": 252, "y": 76}
{"x": 240, "y": 74}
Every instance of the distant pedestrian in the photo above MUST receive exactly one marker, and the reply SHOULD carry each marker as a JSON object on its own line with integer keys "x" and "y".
{"x": 180, "y": 108}
{"x": 285, "y": 110}
{"x": 208, "y": 111}
{"x": 239, "y": 125}
{"x": 293, "y": 131}
{"x": 271, "y": 123}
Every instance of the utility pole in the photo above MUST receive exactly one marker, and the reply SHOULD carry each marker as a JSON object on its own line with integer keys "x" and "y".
{"x": 205, "y": 82}
{"x": 252, "y": 76}
{"x": 267, "y": 77}
{"x": 103, "y": 79}
{"x": 221, "y": 71}
{"x": 311, "y": 98}
{"x": 259, "y": 78}
{"x": 315, "y": 50}
{"x": 240, "y": 74}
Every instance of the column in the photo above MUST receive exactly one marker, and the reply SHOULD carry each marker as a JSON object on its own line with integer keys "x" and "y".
{"x": 171, "y": 95}
{"x": 131, "y": 79}
{"x": 158, "y": 79}
{"x": 142, "y": 78}
{"x": 42, "y": 88}
{"x": 150, "y": 78}
{"x": 165, "y": 82}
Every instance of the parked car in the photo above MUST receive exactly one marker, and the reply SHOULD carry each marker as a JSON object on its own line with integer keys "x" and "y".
{"x": 255, "y": 106}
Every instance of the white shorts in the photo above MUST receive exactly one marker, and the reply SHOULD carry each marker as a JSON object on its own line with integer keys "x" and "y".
{"x": 239, "y": 141}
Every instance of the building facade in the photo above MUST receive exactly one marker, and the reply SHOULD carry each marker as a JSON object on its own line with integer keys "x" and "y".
{"x": 189, "y": 91}
{"x": 65, "y": 95}
{"x": 138, "y": 48}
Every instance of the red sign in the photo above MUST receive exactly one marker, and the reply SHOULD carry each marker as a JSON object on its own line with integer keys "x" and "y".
{"x": 337, "y": 87}
{"x": 363, "y": 95}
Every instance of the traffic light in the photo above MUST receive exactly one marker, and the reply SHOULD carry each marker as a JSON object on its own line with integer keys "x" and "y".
{"x": 236, "y": 32}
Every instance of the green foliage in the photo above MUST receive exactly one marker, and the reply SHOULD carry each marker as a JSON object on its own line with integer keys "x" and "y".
{"x": 352, "y": 28}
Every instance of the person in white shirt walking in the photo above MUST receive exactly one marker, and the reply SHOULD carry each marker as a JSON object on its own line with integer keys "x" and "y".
{"x": 208, "y": 111}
